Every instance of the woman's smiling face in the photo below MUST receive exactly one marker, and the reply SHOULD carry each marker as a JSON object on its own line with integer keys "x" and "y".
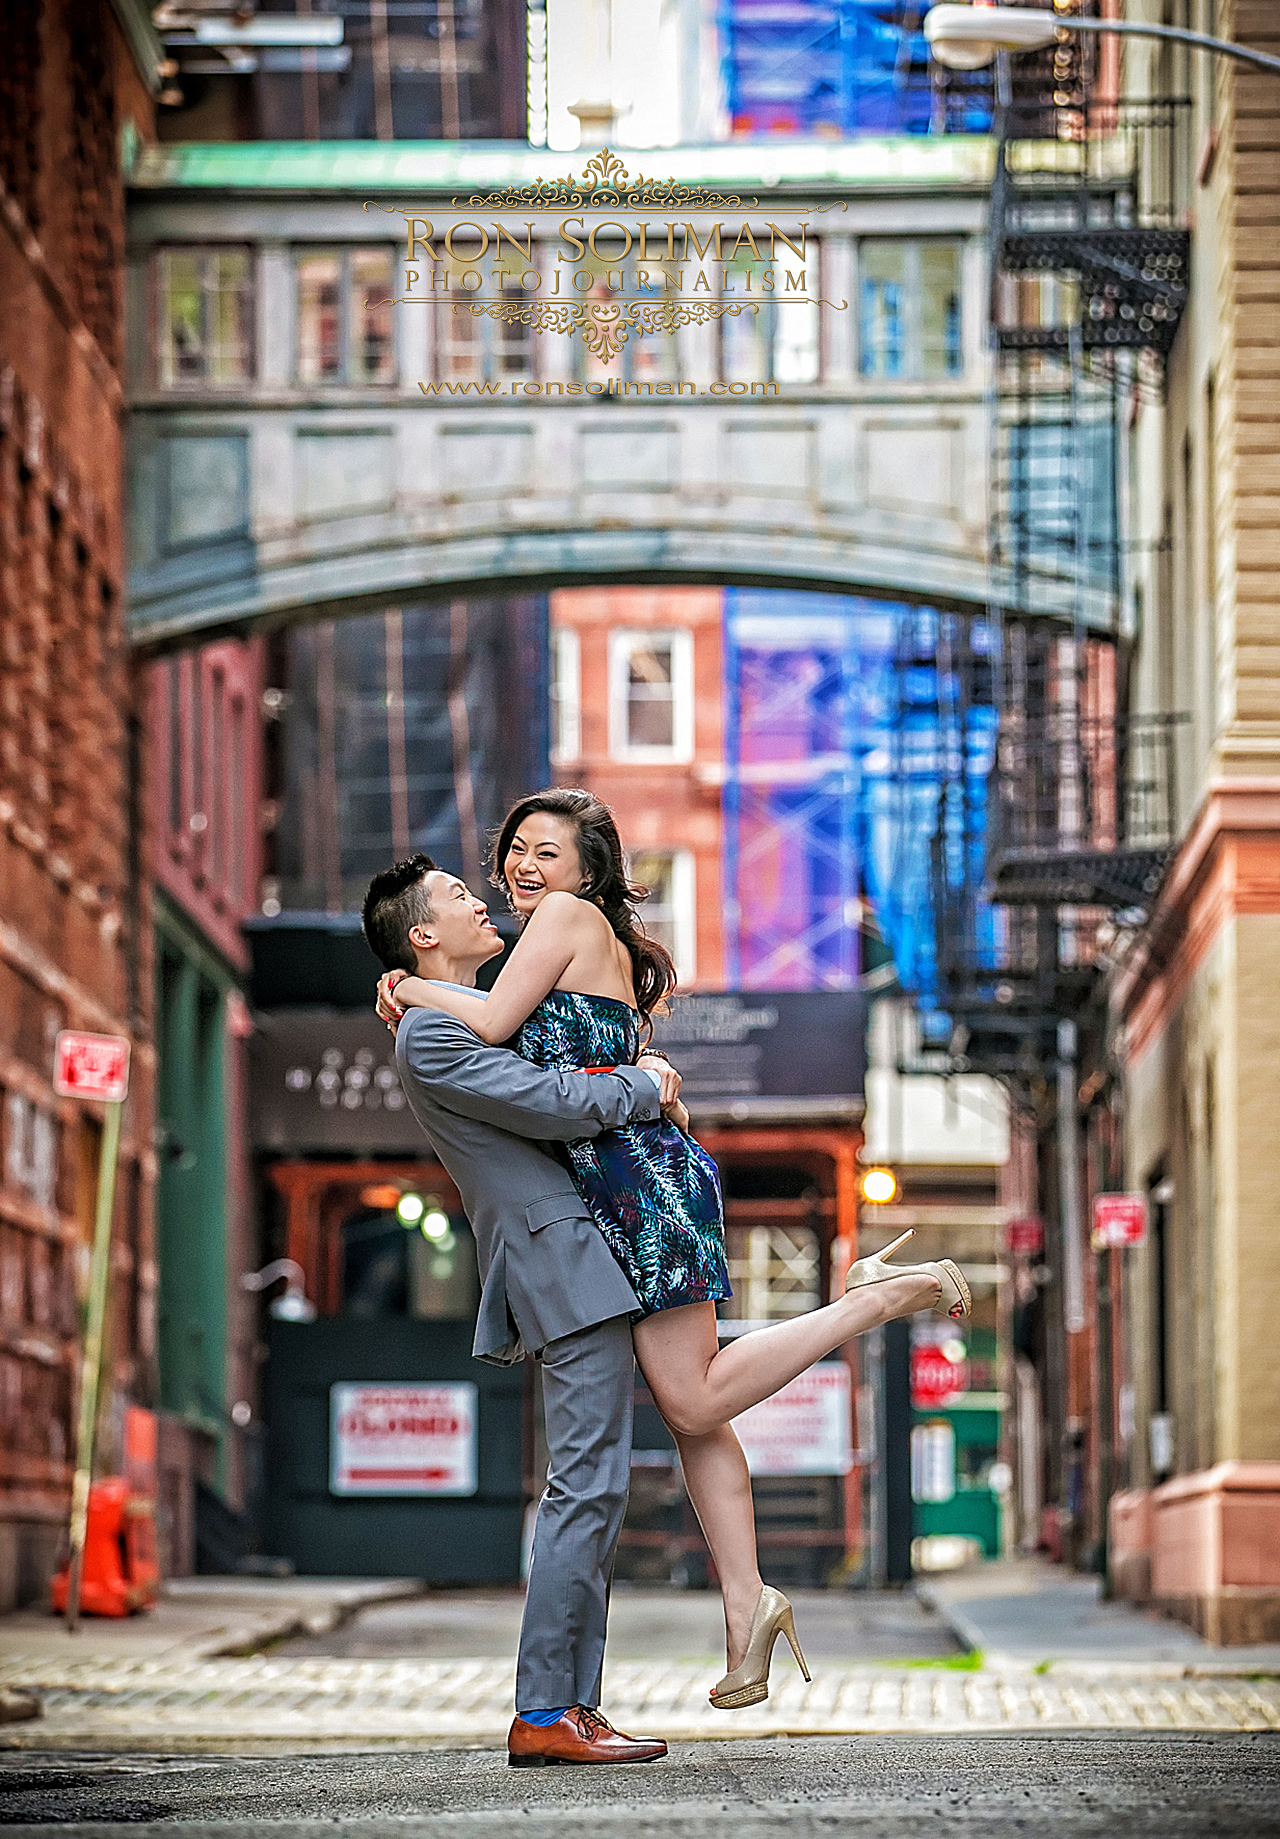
{"x": 542, "y": 859}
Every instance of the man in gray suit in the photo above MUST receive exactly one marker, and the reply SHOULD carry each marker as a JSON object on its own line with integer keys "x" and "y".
{"x": 550, "y": 1286}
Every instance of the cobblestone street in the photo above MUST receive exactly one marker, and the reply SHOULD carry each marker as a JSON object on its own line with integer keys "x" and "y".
{"x": 271, "y": 1701}
{"x": 437, "y": 1669}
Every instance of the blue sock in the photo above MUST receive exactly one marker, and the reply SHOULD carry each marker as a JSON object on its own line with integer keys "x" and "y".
{"x": 543, "y": 1718}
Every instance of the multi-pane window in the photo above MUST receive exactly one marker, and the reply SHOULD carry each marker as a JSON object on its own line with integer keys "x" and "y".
{"x": 201, "y": 727}
{"x": 670, "y": 912}
{"x": 651, "y": 358}
{"x": 205, "y": 313}
{"x": 778, "y": 342}
{"x": 651, "y": 695}
{"x": 910, "y": 320}
{"x": 346, "y": 326}
{"x": 475, "y": 348}
{"x": 566, "y": 695}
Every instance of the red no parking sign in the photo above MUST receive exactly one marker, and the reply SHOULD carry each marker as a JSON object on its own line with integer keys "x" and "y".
{"x": 91, "y": 1066}
{"x": 936, "y": 1378}
{"x": 1119, "y": 1221}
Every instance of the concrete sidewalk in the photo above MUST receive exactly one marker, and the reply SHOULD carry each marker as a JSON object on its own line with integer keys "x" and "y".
{"x": 1025, "y": 1613}
{"x": 199, "y": 1618}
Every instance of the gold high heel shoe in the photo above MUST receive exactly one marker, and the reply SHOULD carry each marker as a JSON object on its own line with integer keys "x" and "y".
{"x": 749, "y": 1683}
{"x": 955, "y": 1299}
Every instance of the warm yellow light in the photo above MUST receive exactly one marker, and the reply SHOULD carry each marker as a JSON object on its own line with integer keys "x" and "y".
{"x": 382, "y": 1194}
{"x": 879, "y": 1186}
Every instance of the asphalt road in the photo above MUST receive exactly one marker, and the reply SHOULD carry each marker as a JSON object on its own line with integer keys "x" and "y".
{"x": 874, "y": 1787}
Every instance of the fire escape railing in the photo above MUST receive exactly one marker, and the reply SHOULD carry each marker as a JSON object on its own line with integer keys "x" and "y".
{"x": 1083, "y": 810}
{"x": 1089, "y": 263}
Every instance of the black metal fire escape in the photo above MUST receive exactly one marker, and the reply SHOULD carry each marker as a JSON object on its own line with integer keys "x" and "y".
{"x": 1089, "y": 280}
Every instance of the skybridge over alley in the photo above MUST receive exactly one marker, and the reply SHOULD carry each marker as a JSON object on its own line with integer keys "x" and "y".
{"x": 341, "y": 401}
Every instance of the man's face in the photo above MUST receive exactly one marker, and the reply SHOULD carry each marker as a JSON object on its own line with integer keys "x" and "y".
{"x": 460, "y": 926}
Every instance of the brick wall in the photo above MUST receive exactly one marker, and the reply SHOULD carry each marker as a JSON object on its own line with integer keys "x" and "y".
{"x": 74, "y": 915}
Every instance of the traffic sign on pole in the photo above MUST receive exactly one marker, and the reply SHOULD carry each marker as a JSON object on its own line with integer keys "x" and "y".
{"x": 1119, "y": 1221}
{"x": 92, "y": 1066}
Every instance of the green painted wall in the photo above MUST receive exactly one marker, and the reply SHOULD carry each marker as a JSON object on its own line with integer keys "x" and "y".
{"x": 191, "y": 996}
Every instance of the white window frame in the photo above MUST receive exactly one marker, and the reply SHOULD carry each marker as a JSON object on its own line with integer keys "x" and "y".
{"x": 684, "y": 910}
{"x": 622, "y": 642}
{"x": 566, "y": 695}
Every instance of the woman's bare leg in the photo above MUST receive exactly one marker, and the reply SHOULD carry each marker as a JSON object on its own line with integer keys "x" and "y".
{"x": 719, "y": 1484}
{"x": 697, "y": 1385}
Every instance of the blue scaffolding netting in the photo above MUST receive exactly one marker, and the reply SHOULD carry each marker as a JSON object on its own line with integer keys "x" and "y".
{"x": 859, "y": 740}
{"x": 834, "y": 67}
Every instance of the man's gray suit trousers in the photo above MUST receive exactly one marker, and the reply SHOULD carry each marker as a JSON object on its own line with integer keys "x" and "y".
{"x": 587, "y": 1389}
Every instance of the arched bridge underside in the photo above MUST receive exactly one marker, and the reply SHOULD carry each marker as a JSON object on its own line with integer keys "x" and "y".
{"x": 267, "y": 518}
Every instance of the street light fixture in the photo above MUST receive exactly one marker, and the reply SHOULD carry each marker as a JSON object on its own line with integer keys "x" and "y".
{"x": 293, "y": 1305}
{"x": 967, "y": 37}
{"x": 879, "y": 1186}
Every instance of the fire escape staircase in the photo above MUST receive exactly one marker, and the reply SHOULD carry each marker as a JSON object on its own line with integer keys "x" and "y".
{"x": 1090, "y": 273}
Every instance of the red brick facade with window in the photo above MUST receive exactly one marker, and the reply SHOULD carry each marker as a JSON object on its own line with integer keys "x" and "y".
{"x": 205, "y": 771}
{"x": 74, "y": 918}
{"x": 659, "y": 805}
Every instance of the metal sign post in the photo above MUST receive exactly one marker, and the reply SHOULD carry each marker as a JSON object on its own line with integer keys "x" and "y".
{"x": 92, "y": 1066}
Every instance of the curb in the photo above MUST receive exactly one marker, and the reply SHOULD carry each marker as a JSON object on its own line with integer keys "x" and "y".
{"x": 970, "y": 1636}
{"x": 967, "y": 1633}
{"x": 252, "y": 1637}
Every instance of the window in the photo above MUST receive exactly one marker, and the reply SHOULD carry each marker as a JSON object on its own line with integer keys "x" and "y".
{"x": 205, "y": 317}
{"x": 476, "y": 349}
{"x": 670, "y": 913}
{"x": 653, "y": 357}
{"x": 345, "y": 317}
{"x": 651, "y": 695}
{"x": 566, "y": 695}
{"x": 778, "y": 342}
{"x": 910, "y": 316}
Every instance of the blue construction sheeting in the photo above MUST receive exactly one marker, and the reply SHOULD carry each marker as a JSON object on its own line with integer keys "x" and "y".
{"x": 853, "y": 740}
{"x": 842, "y": 67}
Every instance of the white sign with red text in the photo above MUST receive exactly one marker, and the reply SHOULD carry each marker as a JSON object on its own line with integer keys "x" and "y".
{"x": 91, "y": 1066}
{"x": 402, "y": 1439}
{"x": 1119, "y": 1221}
{"x": 805, "y": 1429}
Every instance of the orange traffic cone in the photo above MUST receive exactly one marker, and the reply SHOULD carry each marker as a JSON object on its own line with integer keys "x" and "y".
{"x": 121, "y": 1574}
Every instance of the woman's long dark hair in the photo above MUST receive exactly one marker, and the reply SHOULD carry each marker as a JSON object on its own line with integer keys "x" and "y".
{"x": 606, "y": 882}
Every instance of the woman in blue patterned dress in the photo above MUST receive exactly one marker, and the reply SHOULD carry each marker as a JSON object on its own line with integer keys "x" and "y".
{"x": 579, "y": 990}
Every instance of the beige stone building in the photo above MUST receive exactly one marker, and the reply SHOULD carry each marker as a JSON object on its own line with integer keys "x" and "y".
{"x": 1196, "y": 998}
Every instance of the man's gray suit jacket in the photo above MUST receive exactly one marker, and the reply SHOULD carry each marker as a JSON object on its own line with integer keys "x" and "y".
{"x": 544, "y": 1265}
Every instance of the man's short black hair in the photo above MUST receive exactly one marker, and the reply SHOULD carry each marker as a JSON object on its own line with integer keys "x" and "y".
{"x": 397, "y": 900}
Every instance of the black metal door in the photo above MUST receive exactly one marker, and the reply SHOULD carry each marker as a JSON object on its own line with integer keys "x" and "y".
{"x": 469, "y": 1540}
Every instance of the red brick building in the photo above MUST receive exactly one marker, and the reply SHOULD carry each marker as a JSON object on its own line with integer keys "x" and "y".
{"x": 637, "y": 717}
{"x": 204, "y": 754}
{"x": 75, "y": 924}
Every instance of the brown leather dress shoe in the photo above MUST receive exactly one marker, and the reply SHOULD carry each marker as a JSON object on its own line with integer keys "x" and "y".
{"x": 579, "y": 1735}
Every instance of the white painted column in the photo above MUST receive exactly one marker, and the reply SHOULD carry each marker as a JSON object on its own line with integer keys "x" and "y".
{"x": 838, "y": 343}
{"x": 275, "y": 315}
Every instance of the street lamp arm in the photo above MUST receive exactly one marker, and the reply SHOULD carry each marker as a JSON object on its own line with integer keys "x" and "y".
{"x": 1179, "y": 34}
{"x": 968, "y": 36}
